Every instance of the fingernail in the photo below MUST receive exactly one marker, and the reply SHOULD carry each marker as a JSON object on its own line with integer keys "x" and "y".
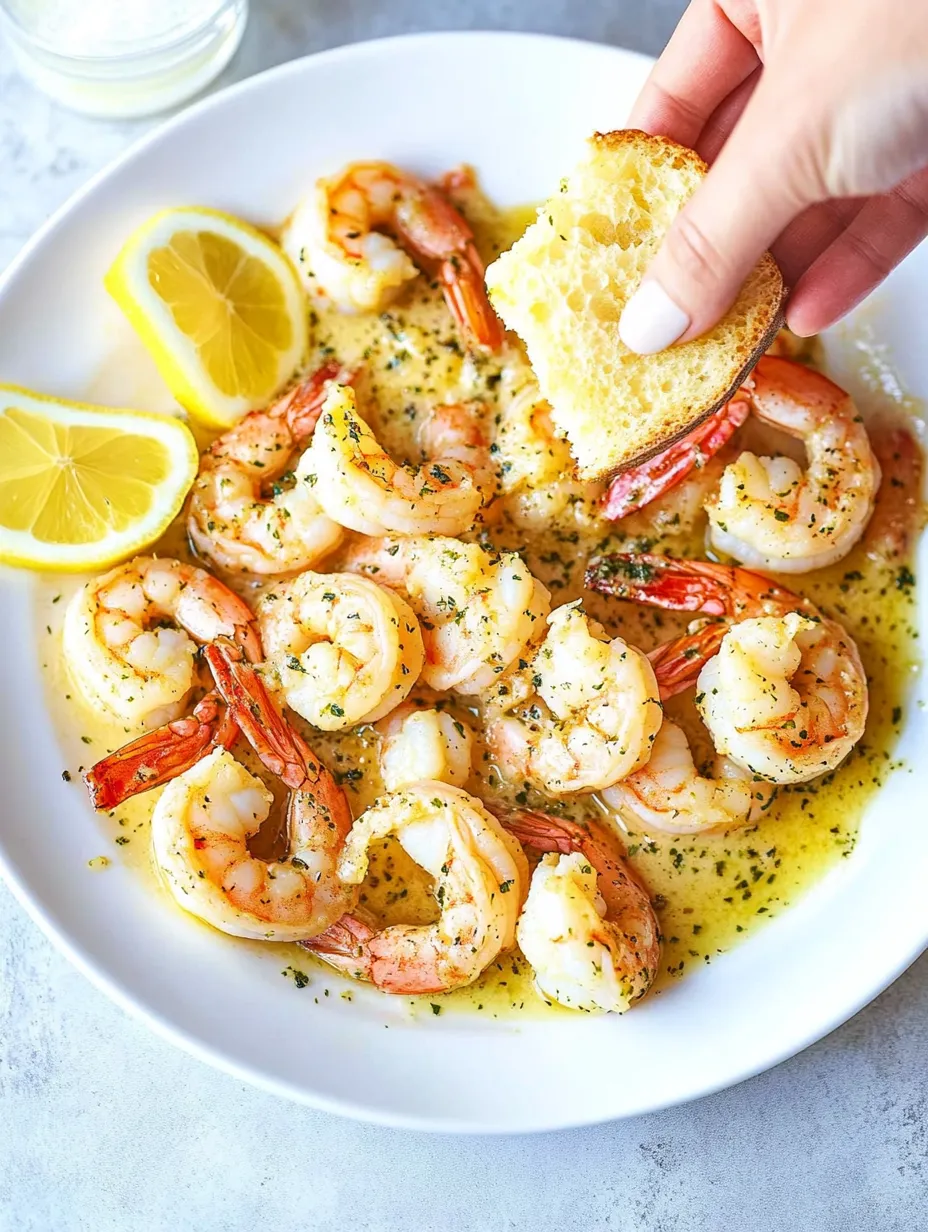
{"x": 651, "y": 320}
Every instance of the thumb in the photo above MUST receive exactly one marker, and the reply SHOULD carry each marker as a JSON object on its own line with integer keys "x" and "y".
{"x": 764, "y": 176}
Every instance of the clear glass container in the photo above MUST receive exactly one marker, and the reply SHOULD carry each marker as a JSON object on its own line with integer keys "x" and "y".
{"x": 123, "y": 57}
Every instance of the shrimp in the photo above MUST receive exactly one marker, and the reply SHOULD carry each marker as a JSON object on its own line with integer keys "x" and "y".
{"x": 457, "y": 432}
{"x": 587, "y": 928}
{"x": 419, "y": 743}
{"x": 534, "y": 463}
{"x": 670, "y": 794}
{"x": 768, "y": 513}
{"x": 340, "y": 239}
{"x": 248, "y": 511}
{"x": 130, "y": 636}
{"x": 581, "y": 714}
{"x": 204, "y": 818}
{"x": 480, "y": 875}
{"x": 361, "y": 487}
{"x": 900, "y": 507}
{"x": 343, "y": 649}
{"x": 785, "y": 698}
{"x": 158, "y": 756}
{"x": 478, "y": 612}
{"x": 640, "y": 486}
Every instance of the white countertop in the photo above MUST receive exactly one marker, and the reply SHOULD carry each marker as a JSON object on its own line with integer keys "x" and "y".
{"x": 103, "y": 1126}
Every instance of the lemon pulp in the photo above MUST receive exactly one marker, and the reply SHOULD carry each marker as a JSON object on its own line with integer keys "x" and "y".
{"x": 219, "y": 307}
{"x": 82, "y": 486}
{"x": 229, "y": 305}
{"x": 58, "y": 481}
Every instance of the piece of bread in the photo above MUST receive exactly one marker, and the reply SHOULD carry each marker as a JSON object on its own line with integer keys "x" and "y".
{"x": 563, "y": 285}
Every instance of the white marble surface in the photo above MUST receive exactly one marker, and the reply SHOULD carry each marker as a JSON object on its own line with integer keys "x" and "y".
{"x": 103, "y": 1126}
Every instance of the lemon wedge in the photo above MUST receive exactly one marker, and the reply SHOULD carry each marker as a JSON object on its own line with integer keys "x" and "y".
{"x": 219, "y": 307}
{"x": 84, "y": 486}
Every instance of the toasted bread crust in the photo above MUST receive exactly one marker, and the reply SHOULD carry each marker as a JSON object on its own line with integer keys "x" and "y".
{"x": 659, "y": 149}
{"x": 564, "y": 283}
{"x": 765, "y": 340}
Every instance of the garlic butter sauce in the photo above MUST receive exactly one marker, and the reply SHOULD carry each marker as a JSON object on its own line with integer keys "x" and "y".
{"x": 710, "y": 890}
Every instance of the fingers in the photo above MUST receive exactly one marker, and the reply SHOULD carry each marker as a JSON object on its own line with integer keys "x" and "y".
{"x": 755, "y": 188}
{"x": 706, "y": 59}
{"x": 883, "y": 231}
{"x": 720, "y": 125}
{"x": 807, "y": 237}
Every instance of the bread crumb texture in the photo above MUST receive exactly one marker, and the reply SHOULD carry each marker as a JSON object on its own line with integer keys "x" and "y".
{"x": 563, "y": 285}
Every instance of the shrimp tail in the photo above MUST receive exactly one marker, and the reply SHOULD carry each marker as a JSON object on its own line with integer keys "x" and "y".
{"x": 677, "y": 663}
{"x": 344, "y": 944}
{"x": 457, "y": 183}
{"x": 900, "y": 511}
{"x": 681, "y": 586}
{"x": 619, "y": 885}
{"x": 461, "y": 278}
{"x": 686, "y": 585}
{"x": 303, "y": 404}
{"x": 346, "y": 938}
{"x": 159, "y": 756}
{"x": 279, "y": 747}
{"x": 537, "y": 830}
{"x": 641, "y": 485}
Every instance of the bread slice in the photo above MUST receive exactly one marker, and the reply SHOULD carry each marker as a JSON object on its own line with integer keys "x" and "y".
{"x": 563, "y": 285}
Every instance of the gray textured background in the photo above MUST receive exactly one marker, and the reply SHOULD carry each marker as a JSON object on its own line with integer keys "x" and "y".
{"x": 103, "y": 1126}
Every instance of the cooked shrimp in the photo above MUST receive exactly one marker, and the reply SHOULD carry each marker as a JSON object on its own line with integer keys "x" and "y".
{"x": 535, "y": 466}
{"x": 419, "y": 743}
{"x": 900, "y": 505}
{"x": 587, "y": 928}
{"x": 203, "y": 821}
{"x": 200, "y": 831}
{"x": 130, "y": 636}
{"x": 785, "y": 697}
{"x": 457, "y": 432}
{"x": 248, "y": 511}
{"x": 670, "y": 794}
{"x": 478, "y": 612}
{"x": 768, "y": 512}
{"x": 343, "y": 649}
{"x": 161, "y": 755}
{"x": 480, "y": 875}
{"x": 361, "y": 487}
{"x": 342, "y": 239}
{"x": 581, "y": 714}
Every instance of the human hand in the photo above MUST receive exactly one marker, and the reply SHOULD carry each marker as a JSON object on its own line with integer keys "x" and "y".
{"x": 814, "y": 116}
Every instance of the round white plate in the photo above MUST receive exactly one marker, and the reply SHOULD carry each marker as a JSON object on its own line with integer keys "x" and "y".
{"x": 518, "y": 107}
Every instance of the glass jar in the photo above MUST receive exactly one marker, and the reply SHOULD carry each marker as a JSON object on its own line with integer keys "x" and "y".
{"x": 123, "y": 57}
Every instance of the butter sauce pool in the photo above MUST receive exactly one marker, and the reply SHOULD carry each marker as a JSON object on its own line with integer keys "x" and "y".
{"x": 710, "y": 891}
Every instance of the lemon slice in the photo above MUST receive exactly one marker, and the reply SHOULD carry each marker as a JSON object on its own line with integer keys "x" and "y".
{"x": 219, "y": 307}
{"x": 84, "y": 486}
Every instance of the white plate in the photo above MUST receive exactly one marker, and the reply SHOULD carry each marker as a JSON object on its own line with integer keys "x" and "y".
{"x": 518, "y": 108}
